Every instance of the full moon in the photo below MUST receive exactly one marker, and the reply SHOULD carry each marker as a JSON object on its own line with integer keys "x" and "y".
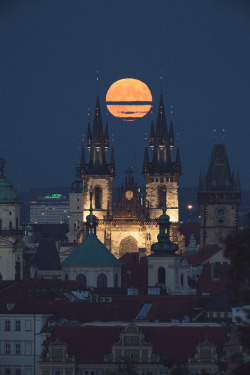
{"x": 129, "y": 99}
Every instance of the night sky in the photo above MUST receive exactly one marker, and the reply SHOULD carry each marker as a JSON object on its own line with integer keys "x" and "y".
{"x": 50, "y": 51}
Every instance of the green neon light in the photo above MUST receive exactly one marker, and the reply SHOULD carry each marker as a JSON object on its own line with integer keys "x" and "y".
{"x": 53, "y": 196}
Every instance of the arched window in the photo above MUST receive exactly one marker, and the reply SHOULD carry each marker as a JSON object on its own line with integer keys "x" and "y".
{"x": 98, "y": 197}
{"x": 116, "y": 281}
{"x": 161, "y": 275}
{"x": 10, "y": 225}
{"x": 101, "y": 281}
{"x": 81, "y": 279}
{"x": 161, "y": 195}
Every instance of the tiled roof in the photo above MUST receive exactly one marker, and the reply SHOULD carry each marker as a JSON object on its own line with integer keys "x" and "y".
{"x": 214, "y": 280}
{"x": 91, "y": 251}
{"x": 203, "y": 255}
{"x": 171, "y": 342}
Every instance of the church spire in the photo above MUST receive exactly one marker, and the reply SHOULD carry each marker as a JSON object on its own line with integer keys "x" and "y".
{"x": 146, "y": 161}
{"x": 164, "y": 247}
{"x": 112, "y": 161}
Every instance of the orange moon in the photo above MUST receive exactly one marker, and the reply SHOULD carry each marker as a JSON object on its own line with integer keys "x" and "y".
{"x": 129, "y": 99}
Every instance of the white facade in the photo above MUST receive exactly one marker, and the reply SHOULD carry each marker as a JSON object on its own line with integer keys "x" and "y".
{"x": 91, "y": 273}
{"x": 49, "y": 211}
{"x": 170, "y": 272}
{"x": 20, "y": 343}
{"x": 11, "y": 244}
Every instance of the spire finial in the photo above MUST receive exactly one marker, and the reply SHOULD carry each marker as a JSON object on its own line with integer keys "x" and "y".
{"x": 88, "y": 113}
{"x": 151, "y": 112}
{"x": 161, "y": 81}
{"x": 214, "y": 137}
{"x": 97, "y": 81}
{"x": 178, "y": 139}
{"x": 146, "y": 138}
{"x": 112, "y": 139}
{"x": 171, "y": 111}
{"x": 223, "y": 135}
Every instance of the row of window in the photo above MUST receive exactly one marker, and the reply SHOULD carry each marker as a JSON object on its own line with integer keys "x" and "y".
{"x": 17, "y": 371}
{"x": 10, "y": 325}
{"x": 218, "y": 315}
{"x": 162, "y": 179}
{"x": 16, "y": 348}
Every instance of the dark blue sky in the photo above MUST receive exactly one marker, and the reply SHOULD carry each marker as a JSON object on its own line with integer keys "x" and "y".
{"x": 50, "y": 51}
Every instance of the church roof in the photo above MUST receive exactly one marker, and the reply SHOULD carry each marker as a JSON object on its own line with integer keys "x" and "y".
{"x": 219, "y": 177}
{"x": 91, "y": 251}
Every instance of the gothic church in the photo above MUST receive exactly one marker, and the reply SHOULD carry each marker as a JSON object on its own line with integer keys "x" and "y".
{"x": 128, "y": 222}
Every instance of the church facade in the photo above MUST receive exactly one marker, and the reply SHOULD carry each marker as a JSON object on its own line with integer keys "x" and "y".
{"x": 129, "y": 221}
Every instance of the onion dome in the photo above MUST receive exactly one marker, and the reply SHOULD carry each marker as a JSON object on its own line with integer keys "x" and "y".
{"x": 164, "y": 247}
{"x": 7, "y": 192}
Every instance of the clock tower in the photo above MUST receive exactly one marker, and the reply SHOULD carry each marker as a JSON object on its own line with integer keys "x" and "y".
{"x": 219, "y": 197}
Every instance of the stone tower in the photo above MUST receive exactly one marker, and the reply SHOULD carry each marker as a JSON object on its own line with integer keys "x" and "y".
{"x": 219, "y": 197}
{"x": 98, "y": 174}
{"x": 11, "y": 244}
{"x": 162, "y": 173}
{"x": 76, "y": 203}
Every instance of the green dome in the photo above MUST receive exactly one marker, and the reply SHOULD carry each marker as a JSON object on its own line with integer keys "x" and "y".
{"x": 7, "y": 192}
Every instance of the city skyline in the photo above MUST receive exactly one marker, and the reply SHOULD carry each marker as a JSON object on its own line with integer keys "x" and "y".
{"x": 51, "y": 52}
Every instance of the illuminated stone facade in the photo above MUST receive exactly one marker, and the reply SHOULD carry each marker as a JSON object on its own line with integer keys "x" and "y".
{"x": 132, "y": 222}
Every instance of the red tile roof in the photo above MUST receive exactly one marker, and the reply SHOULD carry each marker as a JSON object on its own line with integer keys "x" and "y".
{"x": 90, "y": 343}
{"x": 203, "y": 255}
{"x": 214, "y": 284}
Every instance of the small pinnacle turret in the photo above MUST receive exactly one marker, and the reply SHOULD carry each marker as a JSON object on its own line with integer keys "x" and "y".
{"x": 98, "y": 144}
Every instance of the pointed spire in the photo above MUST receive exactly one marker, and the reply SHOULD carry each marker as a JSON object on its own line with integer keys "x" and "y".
{"x": 112, "y": 161}
{"x": 178, "y": 159}
{"x": 89, "y": 136}
{"x": 164, "y": 247}
{"x": 146, "y": 161}
{"x": 106, "y": 134}
{"x": 171, "y": 130}
{"x": 97, "y": 127}
{"x": 238, "y": 181}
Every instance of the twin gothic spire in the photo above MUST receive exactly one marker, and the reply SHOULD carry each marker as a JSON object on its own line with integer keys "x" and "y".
{"x": 161, "y": 143}
{"x": 98, "y": 144}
